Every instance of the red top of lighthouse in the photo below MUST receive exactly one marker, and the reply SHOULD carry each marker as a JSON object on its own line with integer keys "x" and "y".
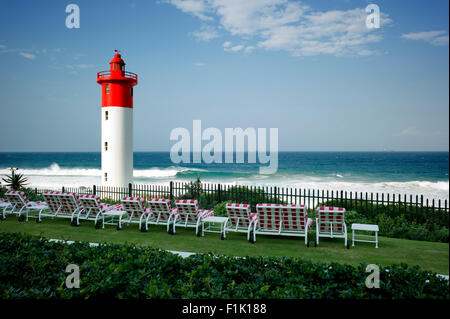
{"x": 117, "y": 59}
{"x": 117, "y": 72}
{"x": 117, "y": 84}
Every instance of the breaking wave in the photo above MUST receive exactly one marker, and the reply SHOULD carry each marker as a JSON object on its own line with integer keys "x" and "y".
{"x": 54, "y": 177}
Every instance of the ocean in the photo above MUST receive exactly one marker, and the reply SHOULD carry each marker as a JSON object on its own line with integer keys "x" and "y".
{"x": 410, "y": 173}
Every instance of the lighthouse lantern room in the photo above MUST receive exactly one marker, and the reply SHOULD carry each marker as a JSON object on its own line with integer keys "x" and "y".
{"x": 117, "y": 123}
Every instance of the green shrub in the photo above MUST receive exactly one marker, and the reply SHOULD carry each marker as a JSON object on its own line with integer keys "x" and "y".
{"x": 15, "y": 181}
{"x": 32, "y": 195}
{"x": 31, "y": 267}
{"x": 400, "y": 227}
{"x": 220, "y": 209}
{"x": 410, "y": 213}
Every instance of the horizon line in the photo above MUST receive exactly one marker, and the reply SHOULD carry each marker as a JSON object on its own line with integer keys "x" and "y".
{"x": 306, "y": 151}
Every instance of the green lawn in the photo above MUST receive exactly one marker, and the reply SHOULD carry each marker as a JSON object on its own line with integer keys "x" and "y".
{"x": 428, "y": 255}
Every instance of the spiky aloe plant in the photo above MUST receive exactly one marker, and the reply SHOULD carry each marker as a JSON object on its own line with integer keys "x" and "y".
{"x": 15, "y": 181}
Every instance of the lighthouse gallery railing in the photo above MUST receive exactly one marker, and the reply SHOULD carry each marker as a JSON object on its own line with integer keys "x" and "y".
{"x": 126, "y": 74}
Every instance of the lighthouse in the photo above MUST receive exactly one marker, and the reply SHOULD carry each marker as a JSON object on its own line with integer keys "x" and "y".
{"x": 117, "y": 123}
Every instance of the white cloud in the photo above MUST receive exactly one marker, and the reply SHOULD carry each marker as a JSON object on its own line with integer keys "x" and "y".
{"x": 28, "y": 55}
{"x": 249, "y": 49}
{"x": 287, "y": 25}
{"x": 206, "y": 33}
{"x": 251, "y": 17}
{"x": 2, "y": 46}
{"x": 438, "y": 38}
{"x": 333, "y": 32}
{"x": 237, "y": 48}
{"x": 229, "y": 47}
{"x": 199, "y": 64}
{"x": 195, "y": 7}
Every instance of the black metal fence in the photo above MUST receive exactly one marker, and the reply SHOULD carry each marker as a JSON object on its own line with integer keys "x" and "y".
{"x": 414, "y": 208}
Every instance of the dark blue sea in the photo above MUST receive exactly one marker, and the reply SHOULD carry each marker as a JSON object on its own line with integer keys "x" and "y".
{"x": 388, "y": 172}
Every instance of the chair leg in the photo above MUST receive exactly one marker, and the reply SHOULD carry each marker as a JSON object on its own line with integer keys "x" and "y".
{"x": 146, "y": 222}
{"x": 168, "y": 224}
{"x": 197, "y": 226}
{"x": 353, "y": 238}
{"x": 317, "y": 233}
{"x": 140, "y": 221}
{"x": 120, "y": 221}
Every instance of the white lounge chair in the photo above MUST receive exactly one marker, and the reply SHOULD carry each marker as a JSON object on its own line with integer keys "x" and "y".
{"x": 330, "y": 222}
{"x": 53, "y": 203}
{"x": 70, "y": 207}
{"x": 241, "y": 219}
{"x": 190, "y": 215}
{"x": 283, "y": 220}
{"x": 4, "y": 205}
{"x": 102, "y": 213}
{"x": 20, "y": 205}
{"x": 163, "y": 213}
{"x": 137, "y": 212}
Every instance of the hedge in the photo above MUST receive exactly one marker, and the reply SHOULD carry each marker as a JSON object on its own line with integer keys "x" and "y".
{"x": 32, "y": 267}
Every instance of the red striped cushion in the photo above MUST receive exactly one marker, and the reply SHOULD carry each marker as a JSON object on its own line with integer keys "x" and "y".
{"x": 331, "y": 216}
{"x": 239, "y": 215}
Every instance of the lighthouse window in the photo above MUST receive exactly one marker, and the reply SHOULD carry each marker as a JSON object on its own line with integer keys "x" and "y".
{"x": 106, "y": 146}
{"x": 131, "y": 91}
{"x": 106, "y": 177}
{"x": 106, "y": 115}
{"x": 107, "y": 89}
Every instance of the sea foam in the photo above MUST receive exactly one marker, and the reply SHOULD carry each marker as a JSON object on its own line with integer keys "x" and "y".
{"x": 54, "y": 177}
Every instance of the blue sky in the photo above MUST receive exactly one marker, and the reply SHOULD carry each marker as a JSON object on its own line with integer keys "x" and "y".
{"x": 309, "y": 68}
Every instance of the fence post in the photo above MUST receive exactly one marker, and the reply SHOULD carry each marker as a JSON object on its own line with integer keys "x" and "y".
{"x": 130, "y": 190}
{"x": 94, "y": 190}
{"x": 62, "y": 190}
{"x": 218, "y": 189}
{"x": 171, "y": 190}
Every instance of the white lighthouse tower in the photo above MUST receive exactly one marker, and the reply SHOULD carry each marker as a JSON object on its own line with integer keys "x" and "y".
{"x": 117, "y": 123}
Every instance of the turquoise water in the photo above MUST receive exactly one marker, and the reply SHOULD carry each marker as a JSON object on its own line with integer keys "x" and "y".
{"x": 405, "y": 172}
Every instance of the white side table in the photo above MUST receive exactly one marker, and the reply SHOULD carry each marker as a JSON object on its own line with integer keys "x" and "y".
{"x": 212, "y": 226}
{"x": 365, "y": 238}
{"x": 112, "y": 214}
